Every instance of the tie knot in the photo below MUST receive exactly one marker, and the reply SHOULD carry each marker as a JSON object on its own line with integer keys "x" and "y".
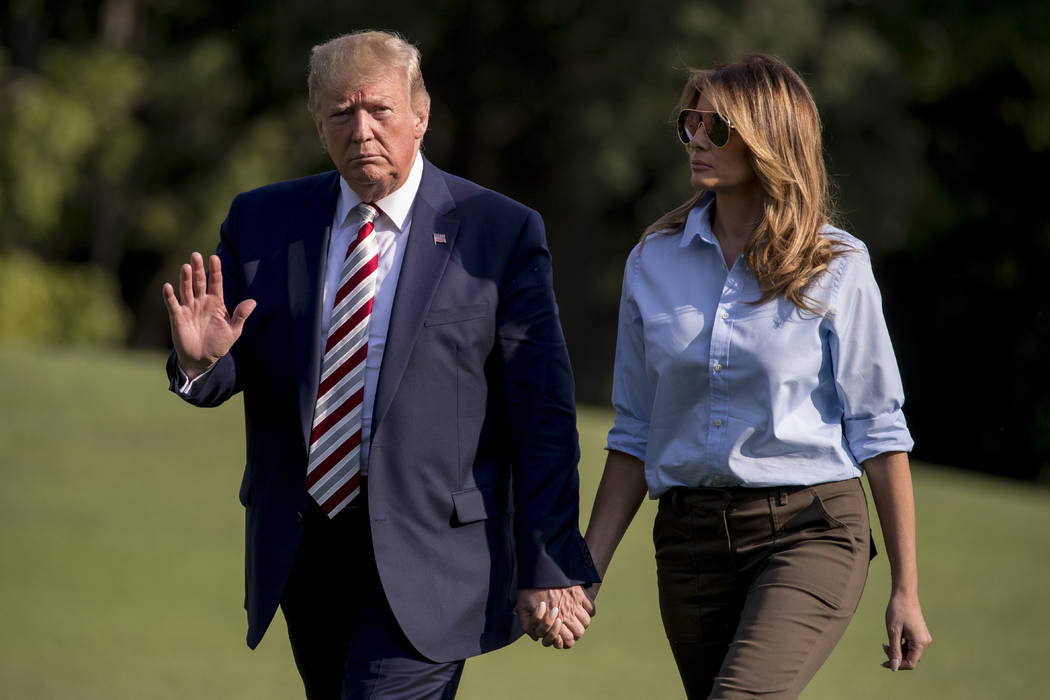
{"x": 367, "y": 211}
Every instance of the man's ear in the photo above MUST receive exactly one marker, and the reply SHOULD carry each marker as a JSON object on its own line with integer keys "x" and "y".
{"x": 422, "y": 121}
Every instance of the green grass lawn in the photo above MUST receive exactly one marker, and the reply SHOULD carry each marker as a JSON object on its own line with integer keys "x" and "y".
{"x": 121, "y": 564}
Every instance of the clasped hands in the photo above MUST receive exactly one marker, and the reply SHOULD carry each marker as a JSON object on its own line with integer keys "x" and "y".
{"x": 557, "y": 616}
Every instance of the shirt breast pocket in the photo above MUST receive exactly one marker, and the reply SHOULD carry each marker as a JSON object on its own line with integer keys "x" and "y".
{"x": 680, "y": 336}
{"x": 778, "y": 342}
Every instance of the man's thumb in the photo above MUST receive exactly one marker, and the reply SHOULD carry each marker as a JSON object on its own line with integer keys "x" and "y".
{"x": 240, "y": 314}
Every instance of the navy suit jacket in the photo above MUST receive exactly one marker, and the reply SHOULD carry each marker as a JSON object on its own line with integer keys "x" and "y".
{"x": 473, "y": 490}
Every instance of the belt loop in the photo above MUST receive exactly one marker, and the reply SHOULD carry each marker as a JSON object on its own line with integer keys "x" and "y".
{"x": 783, "y": 497}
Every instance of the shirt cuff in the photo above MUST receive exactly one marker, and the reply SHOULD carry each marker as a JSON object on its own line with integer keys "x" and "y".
{"x": 870, "y": 437}
{"x": 185, "y": 383}
{"x": 630, "y": 437}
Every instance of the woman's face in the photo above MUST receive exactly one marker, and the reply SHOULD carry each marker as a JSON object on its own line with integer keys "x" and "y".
{"x": 724, "y": 169}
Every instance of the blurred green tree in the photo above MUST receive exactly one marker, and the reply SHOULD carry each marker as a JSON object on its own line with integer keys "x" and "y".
{"x": 58, "y": 303}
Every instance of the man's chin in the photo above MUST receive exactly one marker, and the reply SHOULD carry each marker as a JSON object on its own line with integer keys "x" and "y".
{"x": 370, "y": 185}
{"x": 368, "y": 174}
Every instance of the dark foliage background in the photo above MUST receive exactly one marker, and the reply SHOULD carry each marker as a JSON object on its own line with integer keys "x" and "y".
{"x": 126, "y": 127}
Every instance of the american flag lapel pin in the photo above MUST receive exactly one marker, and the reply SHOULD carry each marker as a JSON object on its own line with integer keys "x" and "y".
{"x": 439, "y": 238}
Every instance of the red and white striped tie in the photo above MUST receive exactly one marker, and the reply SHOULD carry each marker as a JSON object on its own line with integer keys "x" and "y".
{"x": 332, "y": 473}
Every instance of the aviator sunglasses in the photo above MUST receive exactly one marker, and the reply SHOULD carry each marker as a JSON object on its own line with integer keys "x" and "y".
{"x": 716, "y": 126}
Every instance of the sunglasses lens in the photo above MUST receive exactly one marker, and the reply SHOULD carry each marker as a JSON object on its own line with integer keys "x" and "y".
{"x": 716, "y": 127}
{"x": 687, "y": 124}
{"x": 717, "y": 130}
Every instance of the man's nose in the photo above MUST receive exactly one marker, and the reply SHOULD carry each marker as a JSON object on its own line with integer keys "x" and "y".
{"x": 362, "y": 127}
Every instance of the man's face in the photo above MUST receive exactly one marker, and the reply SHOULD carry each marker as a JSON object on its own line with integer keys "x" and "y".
{"x": 372, "y": 133}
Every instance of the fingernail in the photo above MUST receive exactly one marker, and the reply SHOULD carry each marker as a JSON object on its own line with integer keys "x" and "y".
{"x": 554, "y": 611}
{"x": 895, "y": 664}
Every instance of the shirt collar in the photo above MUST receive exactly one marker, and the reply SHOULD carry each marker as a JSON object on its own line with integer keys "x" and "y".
{"x": 698, "y": 223}
{"x": 396, "y": 206}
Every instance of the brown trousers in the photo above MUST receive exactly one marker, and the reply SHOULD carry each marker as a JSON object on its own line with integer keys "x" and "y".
{"x": 758, "y": 585}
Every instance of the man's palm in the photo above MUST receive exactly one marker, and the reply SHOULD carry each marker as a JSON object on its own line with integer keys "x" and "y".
{"x": 201, "y": 330}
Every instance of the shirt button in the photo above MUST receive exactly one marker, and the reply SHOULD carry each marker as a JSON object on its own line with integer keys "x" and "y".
{"x": 725, "y": 314}
{"x": 718, "y": 422}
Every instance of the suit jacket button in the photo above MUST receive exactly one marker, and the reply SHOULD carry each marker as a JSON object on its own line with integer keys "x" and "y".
{"x": 299, "y": 516}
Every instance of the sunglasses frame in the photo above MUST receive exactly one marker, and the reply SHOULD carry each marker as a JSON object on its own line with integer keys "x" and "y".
{"x": 682, "y": 133}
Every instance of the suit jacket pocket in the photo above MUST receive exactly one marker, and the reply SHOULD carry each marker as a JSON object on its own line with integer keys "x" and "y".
{"x": 480, "y": 503}
{"x": 438, "y": 317}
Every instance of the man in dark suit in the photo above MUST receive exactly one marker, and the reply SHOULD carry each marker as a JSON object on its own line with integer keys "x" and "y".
{"x": 411, "y": 472}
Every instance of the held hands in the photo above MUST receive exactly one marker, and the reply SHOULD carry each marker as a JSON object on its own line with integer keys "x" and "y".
{"x": 558, "y": 616}
{"x": 908, "y": 636}
{"x": 201, "y": 329}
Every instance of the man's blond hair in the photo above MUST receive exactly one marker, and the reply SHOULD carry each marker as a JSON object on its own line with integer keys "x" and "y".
{"x": 352, "y": 60}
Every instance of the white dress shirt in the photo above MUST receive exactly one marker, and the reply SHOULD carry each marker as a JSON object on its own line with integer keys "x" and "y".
{"x": 391, "y": 229}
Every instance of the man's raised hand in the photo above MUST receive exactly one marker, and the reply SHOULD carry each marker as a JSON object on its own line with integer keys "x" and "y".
{"x": 201, "y": 329}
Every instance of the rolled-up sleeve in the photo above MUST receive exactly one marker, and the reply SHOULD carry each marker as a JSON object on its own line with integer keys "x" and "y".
{"x": 631, "y": 395}
{"x": 866, "y": 374}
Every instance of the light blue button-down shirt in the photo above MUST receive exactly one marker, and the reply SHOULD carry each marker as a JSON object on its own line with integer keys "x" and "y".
{"x": 710, "y": 390}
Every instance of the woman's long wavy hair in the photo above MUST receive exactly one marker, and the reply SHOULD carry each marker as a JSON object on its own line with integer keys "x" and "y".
{"x": 772, "y": 110}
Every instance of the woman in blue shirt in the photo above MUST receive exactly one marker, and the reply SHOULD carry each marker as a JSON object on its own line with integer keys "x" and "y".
{"x": 754, "y": 383}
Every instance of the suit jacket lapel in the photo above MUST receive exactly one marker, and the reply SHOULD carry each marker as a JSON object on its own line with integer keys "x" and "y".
{"x": 422, "y": 268}
{"x": 307, "y": 251}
